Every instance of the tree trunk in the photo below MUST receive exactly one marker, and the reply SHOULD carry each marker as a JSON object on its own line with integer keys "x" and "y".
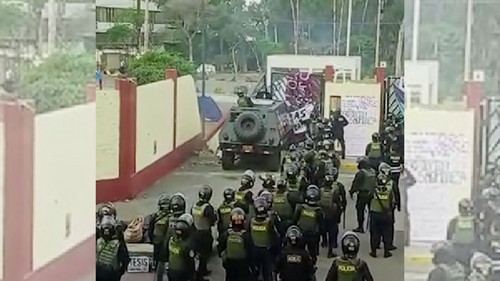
{"x": 399, "y": 52}
{"x": 256, "y": 55}
{"x": 235, "y": 63}
{"x": 190, "y": 46}
{"x": 340, "y": 25}
{"x": 295, "y": 27}
{"x": 266, "y": 29}
{"x": 275, "y": 34}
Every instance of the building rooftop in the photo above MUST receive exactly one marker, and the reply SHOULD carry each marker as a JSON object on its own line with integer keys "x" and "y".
{"x": 125, "y": 4}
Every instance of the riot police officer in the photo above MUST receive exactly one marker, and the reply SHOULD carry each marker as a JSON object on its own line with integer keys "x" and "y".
{"x": 265, "y": 239}
{"x": 480, "y": 267}
{"x": 333, "y": 203}
{"x": 282, "y": 204}
{"x": 107, "y": 209}
{"x": 180, "y": 254}
{"x": 224, "y": 211}
{"x": 112, "y": 255}
{"x": 204, "y": 218}
{"x": 177, "y": 208}
{"x": 157, "y": 233}
{"x": 363, "y": 185}
{"x": 294, "y": 262}
{"x": 381, "y": 207}
{"x": 310, "y": 219}
{"x": 374, "y": 151}
{"x": 243, "y": 99}
{"x": 235, "y": 249}
{"x": 446, "y": 267}
{"x": 244, "y": 196}
{"x": 348, "y": 266}
{"x": 463, "y": 232}
{"x": 385, "y": 172}
{"x": 268, "y": 182}
{"x": 338, "y": 123}
{"x": 293, "y": 185}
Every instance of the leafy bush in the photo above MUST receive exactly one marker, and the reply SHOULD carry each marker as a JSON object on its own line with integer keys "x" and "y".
{"x": 151, "y": 66}
{"x": 58, "y": 82}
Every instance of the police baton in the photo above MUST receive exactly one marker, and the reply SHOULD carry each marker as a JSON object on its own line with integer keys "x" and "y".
{"x": 343, "y": 218}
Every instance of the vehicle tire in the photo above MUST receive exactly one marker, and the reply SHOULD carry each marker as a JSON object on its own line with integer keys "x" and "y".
{"x": 248, "y": 127}
{"x": 275, "y": 162}
{"x": 227, "y": 160}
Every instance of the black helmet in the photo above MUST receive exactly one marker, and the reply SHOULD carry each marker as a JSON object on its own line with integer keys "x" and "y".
{"x": 181, "y": 228}
{"x": 443, "y": 252}
{"x": 384, "y": 168}
{"x": 108, "y": 226}
{"x": 309, "y": 144}
{"x": 107, "y": 209}
{"x": 294, "y": 157}
{"x": 350, "y": 244}
{"x": 281, "y": 185}
{"x": 375, "y": 137}
{"x": 312, "y": 195}
{"x": 261, "y": 207}
{"x": 268, "y": 181}
{"x": 178, "y": 205}
{"x": 229, "y": 194}
{"x": 294, "y": 235}
{"x": 465, "y": 207}
{"x": 332, "y": 171}
{"x": 329, "y": 179}
{"x": 291, "y": 172}
{"x": 363, "y": 162}
{"x": 268, "y": 196}
{"x": 164, "y": 201}
{"x": 205, "y": 193}
{"x": 237, "y": 217}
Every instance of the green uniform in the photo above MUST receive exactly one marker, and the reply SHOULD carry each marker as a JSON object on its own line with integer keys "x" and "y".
{"x": 375, "y": 150}
{"x": 160, "y": 227}
{"x": 370, "y": 181}
{"x": 464, "y": 230}
{"x": 201, "y": 222}
{"x": 107, "y": 253}
{"x": 308, "y": 220}
{"x": 179, "y": 254}
{"x": 347, "y": 270}
{"x": 282, "y": 206}
{"x": 240, "y": 196}
{"x": 225, "y": 215}
{"x": 453, "y": 272}
{"x": 235, "y": 249}
{"x": 327, "y": 194}
{"x": 243, "y": 102}
{"x": 294, "y": 191}
{"x": 382, "y": 200}
{"x": 172, "y": 221}
{"x": 261, "y": 232}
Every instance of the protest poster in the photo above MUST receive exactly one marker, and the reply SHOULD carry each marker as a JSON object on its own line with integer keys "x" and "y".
{"x": 362, "y": 113}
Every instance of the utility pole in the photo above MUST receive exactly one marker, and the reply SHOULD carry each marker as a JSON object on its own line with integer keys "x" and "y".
{"x": 334, "y": 17}
{"x": 146, "y": 26}
{"x": 349, "y": 23}
{"x": 416, "y": 29}
{"x": 377, "y": 39}
{"x": 203, "y": 62}
{"x": 468, "y": 41}
{"x": 52, "y": 26}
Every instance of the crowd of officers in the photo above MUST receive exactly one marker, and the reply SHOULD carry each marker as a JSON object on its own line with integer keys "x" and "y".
{"x": 275, "y": 234}
{"x": 471, "y": 250}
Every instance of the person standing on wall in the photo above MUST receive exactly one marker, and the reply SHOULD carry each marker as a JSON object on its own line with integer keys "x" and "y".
{"x": 338, "y": 122}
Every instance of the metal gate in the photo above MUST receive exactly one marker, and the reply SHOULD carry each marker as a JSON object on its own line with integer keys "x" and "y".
{"x": 393, "y": 96}
{"x": 490, "y": 134}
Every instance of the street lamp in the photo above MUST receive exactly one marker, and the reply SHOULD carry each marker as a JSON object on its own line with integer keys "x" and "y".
{"x": 203, "y": 61}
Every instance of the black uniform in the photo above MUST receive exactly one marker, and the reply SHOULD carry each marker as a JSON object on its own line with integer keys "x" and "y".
{"x": 364, "y": 184}
{"x": 356, "y": 267}
{"x": 294, "y": 264}
{"x": 333, "y": 202}
{"x": 204, "y": 218}
{"x": 338, "y": 122}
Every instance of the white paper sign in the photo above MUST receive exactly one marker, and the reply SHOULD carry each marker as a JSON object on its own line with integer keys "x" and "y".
{"x": 138, "y": 264}
{"x": 299, "y": 117}
{"x": 363, "y": 114}
{"x": 440, "y": 163}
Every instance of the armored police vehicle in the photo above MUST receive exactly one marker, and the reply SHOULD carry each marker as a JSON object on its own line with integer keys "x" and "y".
{"x": 260, "y": 131}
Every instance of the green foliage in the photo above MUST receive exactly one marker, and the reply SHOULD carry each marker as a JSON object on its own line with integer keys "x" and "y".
{"x": 58, "y": 82}
{"x": 120, "y": 33}
{"x": 151, "y": 66}
{"x": 11, "y": 19}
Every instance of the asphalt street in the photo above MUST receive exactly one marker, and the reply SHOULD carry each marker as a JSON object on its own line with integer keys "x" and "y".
{"x": 205, "y": 170}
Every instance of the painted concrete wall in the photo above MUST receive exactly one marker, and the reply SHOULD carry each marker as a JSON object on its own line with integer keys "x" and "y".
{"x": 439, "y": 152}
{"x": 64, "y": 181}
{"x": 188, "y": 115}
{"x": 2, "y": 149}
{"x": 155, "y": 119}
{"x": 360, "y": 104}
{"x": 107, "y": 132}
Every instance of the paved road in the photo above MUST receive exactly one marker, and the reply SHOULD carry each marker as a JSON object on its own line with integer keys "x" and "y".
{"x": 205, "y": 170}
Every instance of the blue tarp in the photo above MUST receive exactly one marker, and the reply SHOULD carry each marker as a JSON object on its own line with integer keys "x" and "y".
{"x": 209, "y": 109}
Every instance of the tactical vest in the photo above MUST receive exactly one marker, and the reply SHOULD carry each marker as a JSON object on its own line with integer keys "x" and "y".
{"x": 293, "y": 186}
{"x": 177, "y": 254}
{"x": 236, "y": 246}
{"x": 107, "y": 253}
{"x": 308, "y": 221}
{"x": 172, "y": 221}
{"x": 282, "y": 206}
{"x": 381, "y": 201}
{"x": 200, "y": 221}
{"x": 242, "y": 102}
{"x": 260, "y": 231}
{"x": 347, "y": 270}
{"x": 160, "y": 227}
{"x": 375, "y": 150}
{"x": 327, "y": 194}
{"x": 464, "y": 230}
{"x": 240, "y": 196}
{"x": 370, "y": 181}
{"x": 395, "y": 163}
{"x": 454, "y": 272}
{"x": 225, "y": 215}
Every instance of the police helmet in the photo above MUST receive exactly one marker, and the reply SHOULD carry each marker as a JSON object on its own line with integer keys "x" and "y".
{"x": 281, "y": 185}
{"x": 182, "y": 228}
{"x": 268, "y": 181}
{"x": 375, "y": 137}
{"x": 291, "y": 171}
{"x": 384, "y": 168}
{"x": 261, "y": 207}
{"x": 332, "y": 171}
{"x": 309, "y": 144}
{"x": 481, "y": 262}
{"x": 229, "y": 194}
{"x": 205, "y": 193}
{"x": 268, "y": 196}
{"x": 294, "y": 157}
{"x": 178, "y": 205}
{"x": 327, "y": 145}
{"x": 250, "y": 174}
{"x": 312, "y": 195}
{"x": 108, "y": 225}
{"x": 329, "y": 179}
{"x": 164, "y": 201}
{"x": 187, "y": 218}
{"x": 237, "y": 217}
{"x": 294, "y": 235}
{"x": 309, "y": 157}
{"x": 350, "y": 244}
{"x": 107, "y": 209}
{"x": 292, "y": 147}
{"x": 363, "y": 162}
{"x": 465, "y": 206}
{"x": 442, "y": 247}
{"x": 240, "y": 90}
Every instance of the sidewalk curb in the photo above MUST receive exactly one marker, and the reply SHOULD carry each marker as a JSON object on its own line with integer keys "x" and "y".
{"x": 418, "y": 260}
{"x": 349, "y": 166}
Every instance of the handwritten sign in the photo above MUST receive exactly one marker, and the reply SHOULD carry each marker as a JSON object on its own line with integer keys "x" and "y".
{"x": 299, "y": 118}
{"x": 363, "y": 115}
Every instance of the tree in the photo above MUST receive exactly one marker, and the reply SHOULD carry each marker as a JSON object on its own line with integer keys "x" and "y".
{"x": 12, "y": 20}
{"x": 58, "y": 82}
{"x": 151, "y": 66}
